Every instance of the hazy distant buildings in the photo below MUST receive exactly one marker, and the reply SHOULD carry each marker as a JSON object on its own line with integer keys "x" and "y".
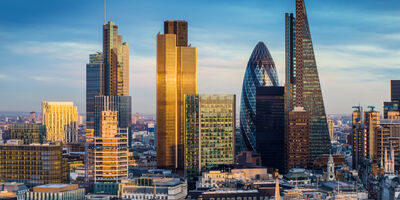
{"x": 28, "y": 133}
{"x": 94, "y": 86}
{"x": 60, "y": 119}
{"x": 300, "y": 60}
{"x": 33, "y": 164}
{"x": 176, "y": 76}
{"x": 210, "y": 132}
{"x": 32, "y": 117}
{"x": 270, "y": 126}
{"x": 260, "y": 71}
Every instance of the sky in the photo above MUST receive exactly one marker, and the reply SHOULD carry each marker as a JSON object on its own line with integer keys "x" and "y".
{"x": 45, "y": 44}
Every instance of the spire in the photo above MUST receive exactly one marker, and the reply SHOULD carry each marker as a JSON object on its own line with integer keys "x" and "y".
{"x": 105, "y": 19}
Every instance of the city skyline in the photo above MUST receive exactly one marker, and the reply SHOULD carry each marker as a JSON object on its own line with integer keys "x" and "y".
{"x": 346, "y": 62}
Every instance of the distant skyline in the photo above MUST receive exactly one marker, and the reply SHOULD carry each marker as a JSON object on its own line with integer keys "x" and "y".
{"x": 45, "y": 46}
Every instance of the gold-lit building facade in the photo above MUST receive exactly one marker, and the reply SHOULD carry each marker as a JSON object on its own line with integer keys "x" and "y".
{"x": 60, "y": 119}
{"x": 108, "y": 153}
{"x": 210, "y": 132}
{"x": 116, "y": 62}
{"x": 28, "y": 133}
{"x": 176, "y": 77}
{"x": 33, "y": 164}
{"x": 388, "y": 135}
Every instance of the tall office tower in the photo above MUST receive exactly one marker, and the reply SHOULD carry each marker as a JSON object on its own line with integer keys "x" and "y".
{"x": 210, "y": 132}
{"x": 176, "y": 77}
{"x": 108, "y": 155}
{"x": 33, "y": 164}
{"x": 121, "y": 104}
{"x": 395, "y": 90}
{"x": 387, "y": 135}
{"x": 94, "y": 86}
{"x": 28, "y": 133}
{"x": 32, "y": 117}
{"x": 297, "y": 139}
{"x": 300, "y": 61}
{"x": 116, "y": 62}
{"x": 270, "y": 126}
{"x": 60, "y": 119}
{"x": 260, "y": 71}
{"x": 364, "y": 125}
{"x": 330, "y": 128}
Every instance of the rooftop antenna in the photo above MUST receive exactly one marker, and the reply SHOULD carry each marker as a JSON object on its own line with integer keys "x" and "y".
{"x": 105, "y": 12}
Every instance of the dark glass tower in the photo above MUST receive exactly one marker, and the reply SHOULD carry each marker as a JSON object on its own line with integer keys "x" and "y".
{"x": 260, "y": 71}
{"x": 395, "y": 90}
{"x": 94, "y": 85}
{"x": 300, "y": 55}
{"x": 270, "y": 126}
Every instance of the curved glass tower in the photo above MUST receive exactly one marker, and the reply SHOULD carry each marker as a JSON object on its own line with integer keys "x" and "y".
{"x": 260, "y": 71}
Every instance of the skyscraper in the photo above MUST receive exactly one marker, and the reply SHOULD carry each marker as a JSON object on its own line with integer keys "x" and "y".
{"x": 270, "y": 126}
{"x": 395, "y": 90}
{"x": 300, "y": 61}
{"x": 60, "y": 119}
{"x": 116, "y": 62}
{"x": 176, "y": 77}
{"x": 94, "y": 85}
{"x": 260, "y": 71}
{"x": 210, "y": 132}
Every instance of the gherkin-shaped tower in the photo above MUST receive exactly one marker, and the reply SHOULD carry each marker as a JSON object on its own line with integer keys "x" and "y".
{"x": 260, "y": 71}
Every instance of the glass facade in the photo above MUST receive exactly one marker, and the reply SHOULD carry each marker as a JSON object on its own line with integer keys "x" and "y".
{"x": 94, "y": 85}
{"x": 122, "y": 104}
{"x": 28, "y": 133}
{"x": 210, "y": 132}
{"x": 300, "y": 55}
{"x": 60, "y": 119}
{"x": 176, "y": 77}
{"x": 395, "y": 90}
{"x": 260, "y": 71}
{"x": 270, "y": 126}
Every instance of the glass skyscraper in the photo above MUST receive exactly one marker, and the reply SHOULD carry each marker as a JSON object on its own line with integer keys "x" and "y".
{"x": 210, "y": 132}
{"x": 300, "y": 55}
{"x": 260, "y": 71}
{"x": 94, "y": 85}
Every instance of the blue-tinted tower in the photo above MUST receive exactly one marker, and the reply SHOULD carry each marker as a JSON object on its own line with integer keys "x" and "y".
{"x": 260, "y": 71}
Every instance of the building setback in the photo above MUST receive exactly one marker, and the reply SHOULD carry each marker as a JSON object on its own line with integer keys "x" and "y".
{"x": 270, "y": 126}
{"x": 176, "y": 77}
{"x": 210, "y": 132}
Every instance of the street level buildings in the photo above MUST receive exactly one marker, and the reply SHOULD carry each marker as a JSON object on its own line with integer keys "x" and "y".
{"x": 60, "y": 119}
{"x": 176, "y": 77}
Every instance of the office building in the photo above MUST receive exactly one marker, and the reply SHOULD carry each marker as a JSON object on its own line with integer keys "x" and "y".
{"x": 94, "y": 86}
{"x": 297, "y": 140}
{"x": 153, "y": 187}
{"x": 270, "y": 126}
{"x": 387, "y": 136}
{"x": 33, "y": 164}
{"x": 176, "y": 77}
{"x": 60, "y": 119}
{"x": 121, "y": 104}
{"x": 56, "y": 191}
{"x": 107, "y": 155}
{"x": 13, "y": 190}
{"x": 210, "y": 132}
{"x": 395, "y": 90}
{"x": 116, "y": 62}
{"x": 28, "y": 133}
{"x": 390, "y": 107}
{"x": 300, "y": 61}
{"x": 260, "y": 71}
{"x": 364, "y": 125}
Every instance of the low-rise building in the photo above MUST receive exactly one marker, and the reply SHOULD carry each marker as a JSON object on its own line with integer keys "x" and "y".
{"x": 13, "y": 190}
{"x": 153, "y": 188}
{"x": 56, "y": 191}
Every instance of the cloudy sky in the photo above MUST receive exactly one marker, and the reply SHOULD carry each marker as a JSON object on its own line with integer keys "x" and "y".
{"x": 44, "y": 46}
